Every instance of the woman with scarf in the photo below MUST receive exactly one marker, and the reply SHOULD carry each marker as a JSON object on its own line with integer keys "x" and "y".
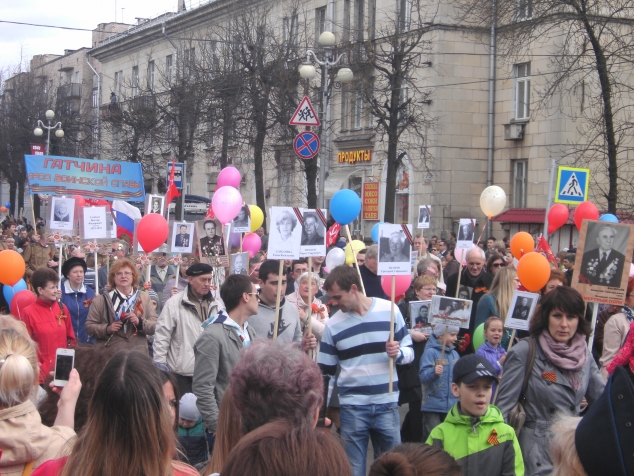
{"x": 122, "y": 317}
{"x": 562, "y": 374}
{"x": 616, "y": 329}
{"x": 48, "y": 320}
{"x": 319, "y": 314}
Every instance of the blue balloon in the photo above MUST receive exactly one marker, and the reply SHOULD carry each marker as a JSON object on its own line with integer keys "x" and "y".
{"x": 7, "y": 204}
{"x": 345, "y": 206}
{"x": 375, "y": 231}
{"x": 609, "y": 217}
{"x": 9, "y": 291}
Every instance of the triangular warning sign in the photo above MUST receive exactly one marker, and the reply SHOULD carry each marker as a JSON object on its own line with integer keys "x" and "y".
{"x": 572, "y": 188}
{"x": 305, "y": 114}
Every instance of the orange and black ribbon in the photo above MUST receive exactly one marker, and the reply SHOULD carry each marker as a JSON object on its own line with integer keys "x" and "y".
{"x": 493, "y": 438}
{"x": 550, "y": 376}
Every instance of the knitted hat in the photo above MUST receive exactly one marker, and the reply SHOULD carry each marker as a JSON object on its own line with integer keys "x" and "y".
{"x": 604, "y": 438}
{"x": 153, "y": 295}
{"x": 187, "y": 409}
{"x": 442, "y": 329}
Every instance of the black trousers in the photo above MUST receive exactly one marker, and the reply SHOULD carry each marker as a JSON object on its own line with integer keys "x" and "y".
{"x": 412, "y": 429}
{"x": 184, "y": 384}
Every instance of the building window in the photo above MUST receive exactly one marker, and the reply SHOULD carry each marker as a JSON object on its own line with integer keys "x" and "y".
{"x": 359, "y": 18}
{"x": 118, "y": 79}
{"x": 95, "y": 97}
{"x": 291, "y": 27}
{"x": 135, "y": 81}
{"x": 522, "y": 90}
{"x": 189, "y": 57}
{"x": 358, "y": 110}
{"x": 320, "y": 22}
{"x": 150, "y": 75}
{"x": 524, "y": 9}
{"x": 520, "y": 172}
{"x": 346, "y": 21}
{"x": 168, "y": 68}
{"x": 344, "y": 110}
{"x": 404, "y": 96}
{"x": 76, "y": 77}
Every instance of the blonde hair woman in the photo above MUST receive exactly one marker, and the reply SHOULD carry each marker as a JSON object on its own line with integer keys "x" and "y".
{"x": 498, "y": 300}
{"x": 24, "y": 440}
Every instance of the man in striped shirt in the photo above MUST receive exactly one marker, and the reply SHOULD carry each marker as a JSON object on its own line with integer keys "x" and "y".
{"x": 357, "y": 339}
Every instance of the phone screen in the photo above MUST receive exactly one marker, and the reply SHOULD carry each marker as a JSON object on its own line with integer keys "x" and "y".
{"x": 63, "y": 366}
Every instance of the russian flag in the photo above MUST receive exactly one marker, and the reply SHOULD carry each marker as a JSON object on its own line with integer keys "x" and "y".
{"x": 124, "y": 216}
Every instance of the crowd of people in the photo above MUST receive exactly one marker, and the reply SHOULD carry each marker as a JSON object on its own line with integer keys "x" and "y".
{"x": 182, "y": 376}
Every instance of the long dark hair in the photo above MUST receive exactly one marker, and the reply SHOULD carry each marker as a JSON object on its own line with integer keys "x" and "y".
{"x": 129, "y": 423}
{"x": 564, "y": 299}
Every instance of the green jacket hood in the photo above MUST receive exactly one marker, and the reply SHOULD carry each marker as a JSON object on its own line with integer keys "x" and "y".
{"x": 493, "y": 415}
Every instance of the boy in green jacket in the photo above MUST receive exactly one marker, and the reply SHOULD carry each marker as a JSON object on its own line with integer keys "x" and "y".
{"x": 474, "y": 431}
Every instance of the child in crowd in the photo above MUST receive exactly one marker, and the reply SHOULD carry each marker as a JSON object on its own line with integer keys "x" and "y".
{"x": 435, "y": 375}
{"x": 474, "y": 431}
{"x": 191, "y": 433}
{"x": 491, "y": 349}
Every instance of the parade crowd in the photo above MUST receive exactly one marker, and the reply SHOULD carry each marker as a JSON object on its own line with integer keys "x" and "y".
{"x": 185, "y": 377}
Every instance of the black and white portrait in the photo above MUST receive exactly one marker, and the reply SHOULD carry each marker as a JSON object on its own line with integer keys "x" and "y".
{"x": 464, "y": 292}
{"x": 603, "y": 260}
{"x": 395, "y": 249}
{"x": 521, "y": 310}
{"x": 420, "y": 316}
{"x": 211, "y": 242}
{"x": 62, "y": 213}
{"x": 450, "y": 311}
{"x": 242, "y": 223}
{"x": 182, "y": 237}
{"x": 155, "y": 204}
{"x": 466, "y": 233}
{"x": 239, "y": 263}
{"x": 313, "y": 233}
{"x": 286, "y": 234}
{"x": 424, "y": 212}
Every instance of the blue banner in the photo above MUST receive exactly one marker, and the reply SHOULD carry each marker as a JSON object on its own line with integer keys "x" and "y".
{"x": 104, "y": 179}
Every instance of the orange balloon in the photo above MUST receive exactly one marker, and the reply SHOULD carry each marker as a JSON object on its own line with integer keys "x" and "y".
{"x": 522, "y": 243}
{"x": 11, "y": 267}
{"x": 533, "y": 270}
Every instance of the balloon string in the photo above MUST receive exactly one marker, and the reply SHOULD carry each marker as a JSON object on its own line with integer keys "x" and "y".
{"x": 483, "y": 228}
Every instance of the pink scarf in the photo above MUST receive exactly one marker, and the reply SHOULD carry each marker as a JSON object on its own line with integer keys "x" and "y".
{"x": 570, "y": 359}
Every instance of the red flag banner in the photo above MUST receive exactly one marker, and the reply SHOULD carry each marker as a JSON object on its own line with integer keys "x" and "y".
{"x": 332, "y": 234}
{"x": 544, "y": 248}
{"x": 172, "y": 191}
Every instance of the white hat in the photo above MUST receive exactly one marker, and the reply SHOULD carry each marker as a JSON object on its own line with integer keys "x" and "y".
{"x": 188, "y": 409}
{"x": 442, "y": 329}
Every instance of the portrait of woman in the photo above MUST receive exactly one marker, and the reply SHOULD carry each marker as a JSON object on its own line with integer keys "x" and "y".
{"x": 285, "y": 224}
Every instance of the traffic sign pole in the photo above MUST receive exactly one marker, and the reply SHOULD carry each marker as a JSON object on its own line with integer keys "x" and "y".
{"x": 549, "y": 202}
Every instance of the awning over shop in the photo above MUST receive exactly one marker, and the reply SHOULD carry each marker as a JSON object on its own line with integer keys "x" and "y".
{"x": 536, "y": 216}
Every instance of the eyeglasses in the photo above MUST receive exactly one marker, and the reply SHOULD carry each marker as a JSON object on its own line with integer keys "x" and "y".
{"x": 123, "y": 273}
{"x": 257, "y": 296}
{"x": 498, "y": 265}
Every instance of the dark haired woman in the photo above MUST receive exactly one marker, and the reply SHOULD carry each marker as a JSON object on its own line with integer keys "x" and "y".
{"x": 563, "y": 373}
{"x": 48, "y": 320}
{"x": 412, "y": 459}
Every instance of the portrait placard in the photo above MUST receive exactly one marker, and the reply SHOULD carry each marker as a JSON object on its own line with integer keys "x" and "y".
{"x": 286, "y": 233}
{"x": 395, "y": 249}
{"x": 182, "y": 237}
{"x": 602, "y": 267}
{"x": 211, "y": 243}
{"x": 94, "y": 224}
{"x": 521, "y": 310}
{"x": 420, "y": 316}
{"x": 450, "y": 311}
{"x": 242, "y": 222}
{"x": 313, "y": 233}
{"x": 155, "y": 204}
{"x": 239, "y": 263}
{"x": 466, "y": 232}
{"x": 62, "y": 215}
{"x": 424, "y": 216}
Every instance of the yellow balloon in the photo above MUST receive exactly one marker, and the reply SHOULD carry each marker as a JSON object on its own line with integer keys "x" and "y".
{"x": 351, "y": 257}
{"x": 257, "y": 217}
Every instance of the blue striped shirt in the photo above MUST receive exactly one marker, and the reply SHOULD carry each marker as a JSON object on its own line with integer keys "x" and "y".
{"x": 357, "y": 344}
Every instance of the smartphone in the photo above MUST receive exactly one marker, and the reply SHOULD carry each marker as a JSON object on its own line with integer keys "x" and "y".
{"x": 64, "y": 363}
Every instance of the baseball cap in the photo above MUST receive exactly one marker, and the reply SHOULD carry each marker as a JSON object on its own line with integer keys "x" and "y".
{"x": 471, "y": 367}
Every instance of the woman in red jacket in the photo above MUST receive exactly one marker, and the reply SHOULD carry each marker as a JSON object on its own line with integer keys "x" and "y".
{"x": 48, "y": 320}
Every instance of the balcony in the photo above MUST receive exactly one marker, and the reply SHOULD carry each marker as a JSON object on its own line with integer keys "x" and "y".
{"x": 141, "y": 104}
{"x": 69, "y": 91}
{"x": 110, "y": 112}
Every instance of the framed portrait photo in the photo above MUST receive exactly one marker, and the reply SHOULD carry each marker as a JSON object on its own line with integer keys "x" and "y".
{"x": 521, "y": 310}
{"x": 155, "y": 204}
{"x": 286, "y": 233}
{"x": 211, "y": 242}
{"x": 182, "y": 237}
{"x": 313, "y": 242}
{"x": 424, "y": 216}
{"x": 94, "y": 223}
{"x": 239, "y": 263}
{"x": 242, "y": 222}
{"x": 420, "y": 316}
{"x": 451, "y": 311}
{"x": 395, "y": 249}
{"x": 466, "y": 233}
{"x": 62, "y": 214}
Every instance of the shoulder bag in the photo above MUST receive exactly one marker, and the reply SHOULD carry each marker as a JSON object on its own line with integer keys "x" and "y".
{"x": 517, "y": 414}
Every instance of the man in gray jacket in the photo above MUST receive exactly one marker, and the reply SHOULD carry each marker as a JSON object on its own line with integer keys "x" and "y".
{"x": 289, "y": 327}
{"x": 218, "y": 348}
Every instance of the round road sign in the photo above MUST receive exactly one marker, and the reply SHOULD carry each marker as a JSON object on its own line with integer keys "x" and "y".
{"x": 306, "y": 145}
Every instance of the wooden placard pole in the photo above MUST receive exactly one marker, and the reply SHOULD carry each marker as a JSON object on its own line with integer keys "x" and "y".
{"x": 147, "y": 270}
{"x": 422, "y": 240}
{"x": 309, "y": 313}
{"x": 96, "y": 271}
{"x": 241, "y": 238}
{"x": 392, "y": 293}
{"x": 60, "y": 258}
{"x": 595, "y": 312}
{"x": 280, "y": 276}
{"x": 354, "y": 255}
{"x": 178, "y": 270}
{"x": 32, "y": 212}
{"x": 511, "y": 340}
{"x": 459, "y": 272}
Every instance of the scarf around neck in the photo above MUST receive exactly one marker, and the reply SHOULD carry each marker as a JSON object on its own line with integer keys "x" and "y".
{"x": 570, "y": 359}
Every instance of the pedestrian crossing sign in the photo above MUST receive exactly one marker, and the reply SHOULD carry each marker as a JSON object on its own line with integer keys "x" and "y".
{"x": 572, "y": 185}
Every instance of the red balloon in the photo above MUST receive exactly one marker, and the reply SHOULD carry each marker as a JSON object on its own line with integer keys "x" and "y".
{"x": 402, "y": 284}
{"x": 21, "y": 300}
{"x": 557, "y": 217}
{"x": 587, "y": 210}
{"x": 152, "y": 231}
{"x": 79, "y": 201}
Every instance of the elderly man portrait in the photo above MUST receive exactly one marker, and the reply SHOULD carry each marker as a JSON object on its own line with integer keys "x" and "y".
{"x": 396, "y": 252}
{"x": 310, "y": 230}
{"x": 602, "y": 266}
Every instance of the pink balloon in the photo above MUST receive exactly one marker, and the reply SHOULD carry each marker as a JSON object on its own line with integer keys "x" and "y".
{"x": 251, "y": 243}
{"x": 402, "y": 284}
{"x": 226, "y": 204}
{"x": 229, "y": 177}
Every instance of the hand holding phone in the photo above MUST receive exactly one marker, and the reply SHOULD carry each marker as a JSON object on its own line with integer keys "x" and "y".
{"x": 64, "y": 363}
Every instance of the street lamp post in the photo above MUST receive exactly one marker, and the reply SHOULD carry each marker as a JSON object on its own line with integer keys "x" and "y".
{"x": 344, "y": 75}
{"x": 40, "y": 125}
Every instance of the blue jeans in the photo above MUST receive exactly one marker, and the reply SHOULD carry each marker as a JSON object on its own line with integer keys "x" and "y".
{"x": 379, "y": 422}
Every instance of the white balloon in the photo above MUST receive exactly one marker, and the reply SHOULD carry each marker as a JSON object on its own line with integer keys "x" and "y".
{"x": 492, "y": 201}
{"x": 335, "y": 257}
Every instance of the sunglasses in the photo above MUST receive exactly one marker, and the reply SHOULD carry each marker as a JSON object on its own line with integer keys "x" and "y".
{"x": 498, "y": 265}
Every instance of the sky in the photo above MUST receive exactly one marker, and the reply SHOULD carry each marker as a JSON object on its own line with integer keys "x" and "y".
{"x": 21, "y": 42}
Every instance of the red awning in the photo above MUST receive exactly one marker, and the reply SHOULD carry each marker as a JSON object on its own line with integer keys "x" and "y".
{"x": 536, "y": 216}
